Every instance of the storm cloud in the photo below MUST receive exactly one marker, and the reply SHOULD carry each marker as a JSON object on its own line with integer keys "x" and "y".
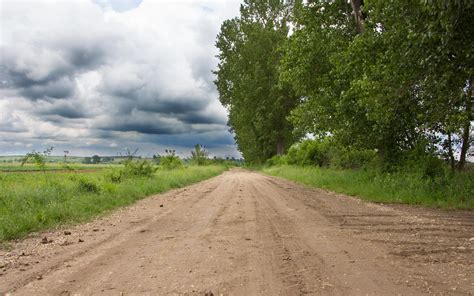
{"x": 101, "y": 75}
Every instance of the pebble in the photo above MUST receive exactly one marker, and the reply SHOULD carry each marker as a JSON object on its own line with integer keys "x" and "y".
{"x": 45, "y": 240}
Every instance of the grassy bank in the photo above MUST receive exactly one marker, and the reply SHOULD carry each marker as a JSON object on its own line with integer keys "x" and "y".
{"x": 29, "y": 167}
{"x": 31, "y": 201}
{"x": 456, "y": 192}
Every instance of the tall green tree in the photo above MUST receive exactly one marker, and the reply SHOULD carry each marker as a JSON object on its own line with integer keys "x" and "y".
{"x": 248, "y": 78}
{"x": 403, "y": 80}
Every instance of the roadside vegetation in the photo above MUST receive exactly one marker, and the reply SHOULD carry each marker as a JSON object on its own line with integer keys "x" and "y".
{"x": 34, "y": 201}
{"x": 421, "y": 178}
{"x": 387, "y": 100}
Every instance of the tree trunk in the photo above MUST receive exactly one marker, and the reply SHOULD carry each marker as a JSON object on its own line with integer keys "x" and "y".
{"x": 467, "y": 127}
{"x": 280, "y": 146}
{"x": 450, "y": 152}
{"x": 358, "y": 16}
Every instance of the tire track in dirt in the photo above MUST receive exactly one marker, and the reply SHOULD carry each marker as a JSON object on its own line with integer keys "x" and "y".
{"x": 244, "y": 233}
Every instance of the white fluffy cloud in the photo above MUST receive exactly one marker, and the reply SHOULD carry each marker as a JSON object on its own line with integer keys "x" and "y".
{"x": 100, "y": 75}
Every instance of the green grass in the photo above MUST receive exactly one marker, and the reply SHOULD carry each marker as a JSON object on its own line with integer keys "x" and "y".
{"x": 453, "y": 192}
{"x": 30, "y": 201}
{"x": 17, "y": 167}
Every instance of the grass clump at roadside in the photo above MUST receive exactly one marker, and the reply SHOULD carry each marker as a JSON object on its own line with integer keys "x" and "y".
{"x": 30, "y": 201}
{"x": 417, "y": 176}
{"x": 456, "y": 192}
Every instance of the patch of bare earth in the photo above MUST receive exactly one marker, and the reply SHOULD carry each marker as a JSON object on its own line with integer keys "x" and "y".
{"x": 244, "y": 233}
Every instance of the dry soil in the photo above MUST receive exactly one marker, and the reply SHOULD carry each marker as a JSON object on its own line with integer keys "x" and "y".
{"x": 244, "y": 233}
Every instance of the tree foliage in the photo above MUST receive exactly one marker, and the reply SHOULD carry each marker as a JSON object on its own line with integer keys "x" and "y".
{"x": 403, "y": 80}
{"x": 248, "y": 78}
{"x": 388, "y": 76}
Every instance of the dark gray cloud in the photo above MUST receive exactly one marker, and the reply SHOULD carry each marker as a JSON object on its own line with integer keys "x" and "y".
{"x": 93, "y": 78}
{"x": 144, "y": 126}
{"x": 62, "y": 108}
{"x": 49, "y": 79}
{"x": 55, "y": 89}
{"x": 13, "y": 127}
{"x": 201, "y": 118}
{"x": 175, "y": 106}
{"x": 210, "y": 139}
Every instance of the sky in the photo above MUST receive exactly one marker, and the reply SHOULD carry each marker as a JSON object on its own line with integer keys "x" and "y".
{"x": 100, "y": 76}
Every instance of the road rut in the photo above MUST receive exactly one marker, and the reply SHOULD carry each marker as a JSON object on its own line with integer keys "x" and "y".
{"x": 245, "y": 233}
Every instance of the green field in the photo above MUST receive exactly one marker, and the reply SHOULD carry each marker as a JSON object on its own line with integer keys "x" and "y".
{"x": 54, "y": 163}
{"x": 28, "y": 167}
{"x": 455, "y": 192}
{"x": 34, "y": 201}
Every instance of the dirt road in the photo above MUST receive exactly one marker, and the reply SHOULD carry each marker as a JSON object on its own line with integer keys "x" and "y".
{"x": 243, "y": 233}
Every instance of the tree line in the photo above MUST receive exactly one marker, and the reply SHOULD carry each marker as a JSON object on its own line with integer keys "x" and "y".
{"x": 387, "y": 76}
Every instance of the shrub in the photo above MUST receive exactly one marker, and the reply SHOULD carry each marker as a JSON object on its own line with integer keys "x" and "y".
{"x": 139, "y": 169}
{"x": 277, "y": 160}
{"x": 350, "y": 158}
{"x": 325, "y": 153}
{"x": 87, "y": 185}
{"x": 115, "y": 175}
{"x": 171, "y": 162}
{"x": 312, "y": 152}
{"x": 131, "y": 169}
{"x": 424, "y": 163}
{"x": 199, "y": 155}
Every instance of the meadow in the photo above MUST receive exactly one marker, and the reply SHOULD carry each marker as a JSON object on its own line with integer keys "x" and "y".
{"x": 449, "y": 192}
{"x": 35, "y": 201}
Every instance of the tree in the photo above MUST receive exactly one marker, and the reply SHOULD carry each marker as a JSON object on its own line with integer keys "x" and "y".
{"x": 95, "y": 159}
{"x": 199, "y": 155}
{"x": 247, "y": 78}
{"x": 399, "y": 82}
{"x": 39, "y": 158}
{"x": 358, "y": 14}
{"x": 157, "y": 158}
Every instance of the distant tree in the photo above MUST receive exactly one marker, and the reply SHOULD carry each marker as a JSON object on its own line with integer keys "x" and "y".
{"x": 87, "y": 160}
{"x": 66, "y": 162}
{"x": 106, "y": 159}
{"x": 39, "y": 158}
{"x": 157, "y": 158}
{"x": 129, "y": 154}
{"x": 95, "y": 159}
{"x": 66, "y": 152}
{"x": 199, "y": 155}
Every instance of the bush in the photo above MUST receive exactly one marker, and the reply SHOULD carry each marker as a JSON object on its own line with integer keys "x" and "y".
{"x": 423, "y": 161}
{"x": 139, "y": 169}
{"x": 349, "y": 158}
{"x": 171, "y": 162}
{"x": 312, "y": 152}
{"x": 277, "y": 160}
{"x": 87, "y": 185}
{"x": 115, "y": 175}
{"x": 131, "y": 169}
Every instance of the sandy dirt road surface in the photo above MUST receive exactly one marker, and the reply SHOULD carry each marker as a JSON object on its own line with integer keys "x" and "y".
{"x": 244, "y": 233}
